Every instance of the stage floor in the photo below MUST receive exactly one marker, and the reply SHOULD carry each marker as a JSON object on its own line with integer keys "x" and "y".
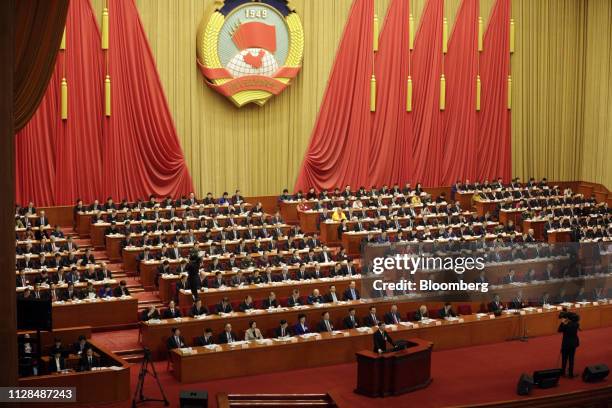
{"x": 460, "y": 377}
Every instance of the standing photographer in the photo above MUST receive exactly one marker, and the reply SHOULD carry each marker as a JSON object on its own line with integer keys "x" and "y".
{"x": 193, "y": 271}
{"x": 569, "y": 327}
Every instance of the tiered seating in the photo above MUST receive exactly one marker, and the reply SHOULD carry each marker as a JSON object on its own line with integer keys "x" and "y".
{"x": 246, "y": 253}
{"x": 413, "y": 215}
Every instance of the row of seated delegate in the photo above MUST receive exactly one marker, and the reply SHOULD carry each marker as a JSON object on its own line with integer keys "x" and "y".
{"x": 327, "y": 322}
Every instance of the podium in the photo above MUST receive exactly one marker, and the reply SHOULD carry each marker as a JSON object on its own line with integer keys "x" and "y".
{"x": 396, "y": 372}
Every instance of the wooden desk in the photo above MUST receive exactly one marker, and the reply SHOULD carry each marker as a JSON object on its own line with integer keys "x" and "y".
{"x": 327, "y": 349}
{"x": 288, "y": 210}
{"x": 465, "y": 199}
{"x": 113, "y": 246}
{"x": 510, "y": 215}
{"x": 129, "y": 254}
{"x": 309, "y": 221}
{"x": 149, "y": 269}
{"x": 394, "y": 373}
{"x": 99, "y": 313}
{"x": 560, "y": 235}
{"x": 351, "y": 241}
{"x": 155, "y": 335}
{"x": 92, "y": 387}
{"x": 537, "y": 226}
{"x": 301, "y": 352}
{"x": 83, "y": 223}
{"x": 483, "y": 207}
{"x": 166, "y": 283}
{"x": 212, "y": 297}
{"x": 329, "y": 233}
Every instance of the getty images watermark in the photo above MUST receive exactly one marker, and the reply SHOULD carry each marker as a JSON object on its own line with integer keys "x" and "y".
{"x": 485, "y": 271}
{"x": 403, "y": 264}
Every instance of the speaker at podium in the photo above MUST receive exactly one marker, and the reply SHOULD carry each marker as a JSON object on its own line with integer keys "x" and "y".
{"x": 395, "y": 372}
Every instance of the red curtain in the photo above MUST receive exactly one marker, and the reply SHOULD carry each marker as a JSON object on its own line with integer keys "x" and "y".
{"x": 78, "y": 167}
{"x": 427, "y": 145}
{"x": 338, "y": 152}
{"x": 427, "y": 141}
{"x": 460, "y": 117}
{"x": 133, "y": 153}
{"x": 141, "y": 154}
{"x": 39, "y": 25}
{"x": 35, "y": 150}
{"x": 59, "y": 160}
{"x": 390, "y": 151}
{"x": 494, "y": 146}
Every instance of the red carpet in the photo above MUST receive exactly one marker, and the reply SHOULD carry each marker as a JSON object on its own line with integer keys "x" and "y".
{"x": 118, "y": 340}
{"x": 460, "y": 377}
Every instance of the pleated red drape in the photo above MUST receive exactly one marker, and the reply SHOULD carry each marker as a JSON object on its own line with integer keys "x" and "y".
{"x": 427, "y": 143}
{"x": 133, "y": 153}
{"x": 35, "y": 149}
{"x": 390, "y": 151}
{"x": 78, "y": 166}
{"x": 59, "y": 160}
{"x": 142, "y": 154}
{"x": 494, "y": 145}
{"x": 338, "y": 152}
{"x": 460, "y": 135}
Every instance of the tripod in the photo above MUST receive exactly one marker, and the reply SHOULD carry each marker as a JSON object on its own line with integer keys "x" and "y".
{"x": 144, "y": 370}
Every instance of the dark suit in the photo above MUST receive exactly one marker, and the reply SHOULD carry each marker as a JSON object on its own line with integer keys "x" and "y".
{"x": 86, "y": 364}
{"x": 370, "y": 320}
{"x": 279, "y": 332}
{"x": 418, "y": 316}
{"x": 447, "y": 313}
{"x": 351, "y": 323}
{"x": 568, "y": 344}
{"x": 298, "y": 329}
{"x": 314, "y": 299}
{"x": 322, "y": 327}
{"x": 202, "y": 341}
{"x": 267, "y": 303}
{"x": 173, "y": 343}
{"x": 170, "y": 314}
{"x": 120, "y": 291}
{"x": 518, "y": 303}
{"x": 496, "y": 307}
{"x": 66, "y": 295}
{"x": 145, "y": 315}
{"x": 294, "y": 302}
{"x": 53, "y": 368}
{"x": 197, "y": 312}
{"x": 392, "y": 318}
{"x": 224, "y": 308}
{"x": 348, "y": 295}
{"x": 380, "y": 341}
{"x": 225, "y": 338}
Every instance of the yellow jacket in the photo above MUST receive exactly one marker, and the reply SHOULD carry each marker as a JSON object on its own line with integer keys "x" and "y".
{"x": 338, "y": 216}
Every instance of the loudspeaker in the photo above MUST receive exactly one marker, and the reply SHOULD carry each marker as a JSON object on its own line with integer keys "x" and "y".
{"x": 595, "y": 372}
{"x": 524, "y": 385}
{"x": 547, "y": 378}
{"x": 194, "y": 399}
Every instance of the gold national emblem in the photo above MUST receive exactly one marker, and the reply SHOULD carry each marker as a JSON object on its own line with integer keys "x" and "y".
{"x": 250, "y": 50}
